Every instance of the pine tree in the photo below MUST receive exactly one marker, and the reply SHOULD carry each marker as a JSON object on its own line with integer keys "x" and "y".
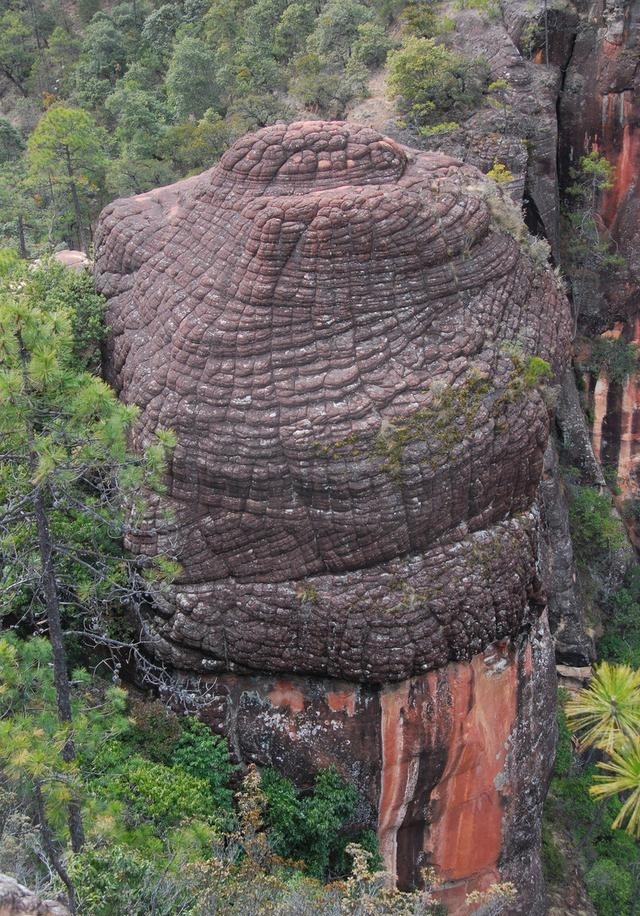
{"x": 64, "y": 473}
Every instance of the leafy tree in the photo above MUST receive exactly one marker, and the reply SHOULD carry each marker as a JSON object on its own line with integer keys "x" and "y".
{"x": 372, "y": 44}
{"x": 192, "y": 79}
{"x": 66, "y": 159}
{"x": 22, "y": 223}
{"x": 64, "y": 444}
{"x": 614, "y": 357}
{"x": 309, "y": 828}
{"x": 205, "y": 756}
{"x": 595, "y": 529}
{"x": 419, "y": 18}
{"x": 34, "y": 741}
{"x": 587, "y": 246}
{"x": 193, "y": 145}
{"x": 104, "y": 50}
{"x": 140, "y": 122}
{"x": 160, "y": 27}
{"x": 292, "y": 29}
{"x": 432, "y": 82}
{"x": 17, "y": 53}
{"x": 593, "y": 175}
{"x": 325, "y": 88}
{"x": 337, "y": 29}
{"x": 51, "y": 74}
{"x": 11, "y": 143}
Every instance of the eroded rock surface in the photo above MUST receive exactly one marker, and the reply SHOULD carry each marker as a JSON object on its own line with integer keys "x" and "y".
{"x": 340, "y": 333}
{"x": 451, "y": 766}
{"x": 17, "y": 900}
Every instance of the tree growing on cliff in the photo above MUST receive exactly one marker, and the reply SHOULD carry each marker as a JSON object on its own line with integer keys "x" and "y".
{"x": 432, "y": 82}
{"x": 606, "y": 715}
{"x": 588, "y": 247}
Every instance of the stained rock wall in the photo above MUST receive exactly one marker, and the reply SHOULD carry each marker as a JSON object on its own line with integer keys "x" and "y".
{"x": 350, "y": 341}
{"x": 605, "y": 117}
{"x": 451, "y": 766}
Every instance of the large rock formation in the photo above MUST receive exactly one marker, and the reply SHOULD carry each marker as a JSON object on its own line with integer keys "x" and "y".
{"x": 349, "y": 339}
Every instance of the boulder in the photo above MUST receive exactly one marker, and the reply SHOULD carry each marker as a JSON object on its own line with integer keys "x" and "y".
{"x": 17, "y": 900}
{"x": 352, "y": 341}
{"x": 343, "y": 335}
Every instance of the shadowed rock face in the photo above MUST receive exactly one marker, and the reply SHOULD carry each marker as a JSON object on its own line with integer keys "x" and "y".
{"x": 338, "y": 330}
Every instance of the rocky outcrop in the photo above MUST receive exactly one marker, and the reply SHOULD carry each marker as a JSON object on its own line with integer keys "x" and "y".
{"x": 451, "y": 766}
{"x": 350, "y": 340}
{"x": 17, "y": 900}
{"x": 604, "y": 118}
{"x": 606, "y": 58}
{"x": 574, "y": 647}
{"x": 340, "y": 334}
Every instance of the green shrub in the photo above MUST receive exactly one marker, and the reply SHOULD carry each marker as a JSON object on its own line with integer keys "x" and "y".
{"x": 431, "y": 82}
{"x": 116, "y": 880}
{"x": 552, "y": 861}
{"x": 621, "y": 640}
{"x": 564, "y": 752}
{"x": 614, "y": 358}
{"x": 610, "y": 888}
{"x": 595, "y": 530}
{"x": 155, "y": 730}
{"x": 165, "y": 795}
{"x": 310, "y": 828}
{"x": 205, "y": 756}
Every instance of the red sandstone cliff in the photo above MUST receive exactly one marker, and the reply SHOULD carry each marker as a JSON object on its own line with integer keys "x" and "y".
{"x": 348, "y": 345}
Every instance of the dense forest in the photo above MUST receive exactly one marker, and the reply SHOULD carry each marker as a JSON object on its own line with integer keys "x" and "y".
{"x": 102, "y": 102}
{"x": 121, "y": 802}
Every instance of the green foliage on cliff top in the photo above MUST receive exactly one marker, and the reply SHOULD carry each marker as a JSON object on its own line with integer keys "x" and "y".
{"x": 434, "y": 83}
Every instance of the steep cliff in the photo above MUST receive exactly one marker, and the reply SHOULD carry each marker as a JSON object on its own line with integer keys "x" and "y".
{"x": 350, "y": 340}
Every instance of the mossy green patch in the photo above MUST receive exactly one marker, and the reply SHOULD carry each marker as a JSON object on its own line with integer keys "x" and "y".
{"x": 444, "y": 425}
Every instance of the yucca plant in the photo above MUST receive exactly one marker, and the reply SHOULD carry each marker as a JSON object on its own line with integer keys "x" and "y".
{"x": 606, "y": 714}
{"x": 621, "y": 776}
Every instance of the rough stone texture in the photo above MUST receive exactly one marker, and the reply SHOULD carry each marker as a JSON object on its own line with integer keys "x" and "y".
{"x": 451, "y": 766}
{"x": 336, "y": 329}
{"x": 17, "y": 900}
{"x": 565, "y": 605}
{"x": 599, "y": 110}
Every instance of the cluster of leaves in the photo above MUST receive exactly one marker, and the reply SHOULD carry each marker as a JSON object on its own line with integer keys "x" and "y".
{"x": 587, "y": 248}
{"x": 113, "y": 101}
{"x": 308, "y": 827}
{"x": 606, "y": 715}
{"x": 65, "y": 469}
{"x": 621, "y": 640}
{"x": 596, "y": 530}
{"x": 613, "y": 357}
{"x": 434, "y": 84}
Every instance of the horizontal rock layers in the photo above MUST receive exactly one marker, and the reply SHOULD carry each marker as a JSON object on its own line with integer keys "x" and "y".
{"x": 349, "y": 340}
{"x": 338, "y": 331}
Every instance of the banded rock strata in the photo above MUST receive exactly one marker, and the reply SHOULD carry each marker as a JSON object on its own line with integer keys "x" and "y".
{"x": 347, "y": 337}
{"x": 339, "y": 333}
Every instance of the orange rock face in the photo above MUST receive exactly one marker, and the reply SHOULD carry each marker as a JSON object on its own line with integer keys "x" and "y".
{"x": 452, "y": 766}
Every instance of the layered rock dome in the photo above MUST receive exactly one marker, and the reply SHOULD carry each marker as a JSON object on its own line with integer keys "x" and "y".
{"x": 346, "y": 337}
